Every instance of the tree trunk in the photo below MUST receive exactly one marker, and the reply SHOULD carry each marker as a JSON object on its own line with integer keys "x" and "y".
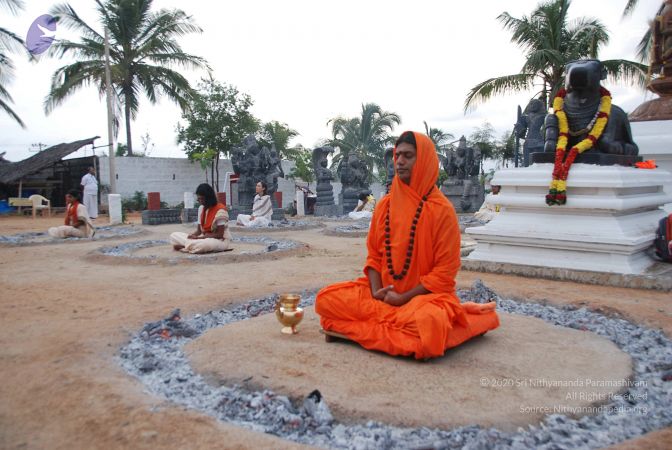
{"x": 212, "y": 173}
{"x": 129, "y": 143}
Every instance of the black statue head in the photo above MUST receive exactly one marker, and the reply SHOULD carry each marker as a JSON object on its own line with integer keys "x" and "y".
{"x": 584, "y": 75}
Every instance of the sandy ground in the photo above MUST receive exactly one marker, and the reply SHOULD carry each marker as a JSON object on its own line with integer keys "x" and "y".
{"x": 361, "y": 386}
{"x": 65, "y": 317}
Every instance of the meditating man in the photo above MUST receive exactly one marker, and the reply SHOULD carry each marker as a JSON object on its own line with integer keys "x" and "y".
{"x": 262, "y": 209}
{"x": 77, "y": 221}
{"x": 365, "y": 207}
{"x": 212, "y": 232}
{"x": 406, "y": 304}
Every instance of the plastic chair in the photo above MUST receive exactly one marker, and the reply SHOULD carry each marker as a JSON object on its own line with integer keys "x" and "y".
{"x": 39, "y": 203}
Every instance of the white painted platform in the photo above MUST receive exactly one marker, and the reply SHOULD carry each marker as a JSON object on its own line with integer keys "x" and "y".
{"x": 654, "y": 139}
{"x": 608, "y": 223}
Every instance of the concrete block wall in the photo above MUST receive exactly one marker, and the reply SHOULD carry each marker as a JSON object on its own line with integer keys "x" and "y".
{"x": 172, "y": 177}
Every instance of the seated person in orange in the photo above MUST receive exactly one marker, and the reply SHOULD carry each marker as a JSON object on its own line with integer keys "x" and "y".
{"x": 77, "y": 221}
{"x": 212, "y": 232}
{"x": 406, "y": 304}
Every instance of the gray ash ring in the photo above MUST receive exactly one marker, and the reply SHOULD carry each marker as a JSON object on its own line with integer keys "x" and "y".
{"x": 43, "y": 238}
{"x": 161, "y": 365}
{"x": 277, "y": 226}
{"x": 355, "y": 229}
{"x": 273, "y": 249}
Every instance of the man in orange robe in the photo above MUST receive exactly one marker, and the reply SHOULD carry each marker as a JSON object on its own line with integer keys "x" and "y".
{"x": 406, "y": 304}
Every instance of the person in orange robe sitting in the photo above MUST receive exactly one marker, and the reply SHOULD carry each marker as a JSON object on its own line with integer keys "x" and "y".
{"x": 406, "y": 304}
{"x": 77, "y": 221}
{"x": 212, "y": 232}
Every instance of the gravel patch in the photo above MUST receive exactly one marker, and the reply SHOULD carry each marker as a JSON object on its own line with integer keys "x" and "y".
{"x": 41, "y": 238}
{"x": 278, "y": 225}
{"x": 271, "y": 247}
{"x": 154, "y": 355}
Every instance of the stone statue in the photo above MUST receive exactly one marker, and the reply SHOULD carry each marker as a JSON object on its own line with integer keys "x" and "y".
{"x": 659, "y": 108}
{"x": 661, "y": 55}
{"x": 530, "y": 126}
{"x": 463, "y": 165}
{"x": 389, "y": 168}
{"x": 448, "y": 162}
{"x": 581, "y": 104}
{"x": 254, "y": 164}
{"x": 353, "y": 177}
{"x": 324, "y": 205}
{"x": 274, "y": 172}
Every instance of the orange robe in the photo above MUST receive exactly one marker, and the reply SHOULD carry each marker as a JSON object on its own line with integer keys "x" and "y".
{"x": 428, "y": 324}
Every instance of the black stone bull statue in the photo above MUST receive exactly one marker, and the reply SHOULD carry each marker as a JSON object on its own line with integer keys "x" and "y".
{"x": 582, "y": 82}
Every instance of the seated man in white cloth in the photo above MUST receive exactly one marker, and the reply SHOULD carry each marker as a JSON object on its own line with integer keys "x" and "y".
{"x": 262, "y": 209}
{"x": 77, "y": 221}
{"x": 488, "y": 211}
{"x": 212, "y": 232}
{"x": 365, "y": 207}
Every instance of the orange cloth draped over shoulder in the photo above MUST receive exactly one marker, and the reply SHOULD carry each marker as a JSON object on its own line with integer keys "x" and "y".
{"x": 71, "y": 214}
{"x": 428, "y": 324}
{"x": 208, "y": 217}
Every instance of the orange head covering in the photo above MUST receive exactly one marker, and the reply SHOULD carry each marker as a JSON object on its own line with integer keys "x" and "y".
{"x": 404, "y": 200}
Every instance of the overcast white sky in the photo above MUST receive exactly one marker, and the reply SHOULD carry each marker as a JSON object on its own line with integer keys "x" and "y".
{"x": 304, "y": 62}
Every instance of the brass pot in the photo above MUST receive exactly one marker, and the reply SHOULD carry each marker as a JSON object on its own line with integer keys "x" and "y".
{"x": 288, "y": 312}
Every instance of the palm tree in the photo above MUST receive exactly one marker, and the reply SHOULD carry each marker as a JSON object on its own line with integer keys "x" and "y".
{"x": 550, "y": 42}
{"x": 367, "y": 135}
{"x": 280, "y": 134}
{"x": 143, "y": 48}
{"x": 439, "y": 137}
{"x": 9, "y": 42}
{"x": 644, "y": 46}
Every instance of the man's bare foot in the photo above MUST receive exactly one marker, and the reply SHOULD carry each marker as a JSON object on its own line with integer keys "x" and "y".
{"x": 479, "y": 308}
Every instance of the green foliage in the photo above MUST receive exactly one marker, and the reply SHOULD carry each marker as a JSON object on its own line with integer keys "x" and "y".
{"x": 122, "y": 149}
{"x": 367, "y": 135}
{"x": 143, "y": 48}
{"x": 303, "y": 170}
{"x": 205, "y": 158}
{"x": 278, "y": 134}
{"x": 550, "y": 41}
{"x": 138, "y": 202}
{"x": 219, "y": 119}
{"x": 439, "y": 137}
{"x": 483, "y": 138}
{"x": 505, "y": 148}
{"x": 443, "y": 176}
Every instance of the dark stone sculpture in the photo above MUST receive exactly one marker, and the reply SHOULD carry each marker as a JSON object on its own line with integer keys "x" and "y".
{"x": 274, "y": 172}
{"x": 324, "y": 206}
{"x": 581, "y": 104}
{"x": 530, "y": 126}
{"x": 254, "y": 164}
{"x": 661, "y": 70}
{"x": 389, "y": 168}
{"x": 462, "y": 187}
{"x": 353, "y": 178}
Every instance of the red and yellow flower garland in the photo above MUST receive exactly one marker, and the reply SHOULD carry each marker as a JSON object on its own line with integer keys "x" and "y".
{"x": 557, "y": 194}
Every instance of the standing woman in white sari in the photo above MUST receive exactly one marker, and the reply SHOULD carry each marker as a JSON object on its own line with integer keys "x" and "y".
{"x": 262, "y": 209}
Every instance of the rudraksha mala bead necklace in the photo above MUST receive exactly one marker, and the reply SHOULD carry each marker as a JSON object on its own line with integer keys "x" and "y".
{"x": 409, "y": 251}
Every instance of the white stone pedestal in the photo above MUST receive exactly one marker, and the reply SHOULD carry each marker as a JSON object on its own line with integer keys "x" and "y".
{"x": 608, "y": 223}
{"x": 114, "y": 204}
{"x": 654, "y": 139}
{"x": 188, "y": 200}
{"x": 300, "y": 207}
